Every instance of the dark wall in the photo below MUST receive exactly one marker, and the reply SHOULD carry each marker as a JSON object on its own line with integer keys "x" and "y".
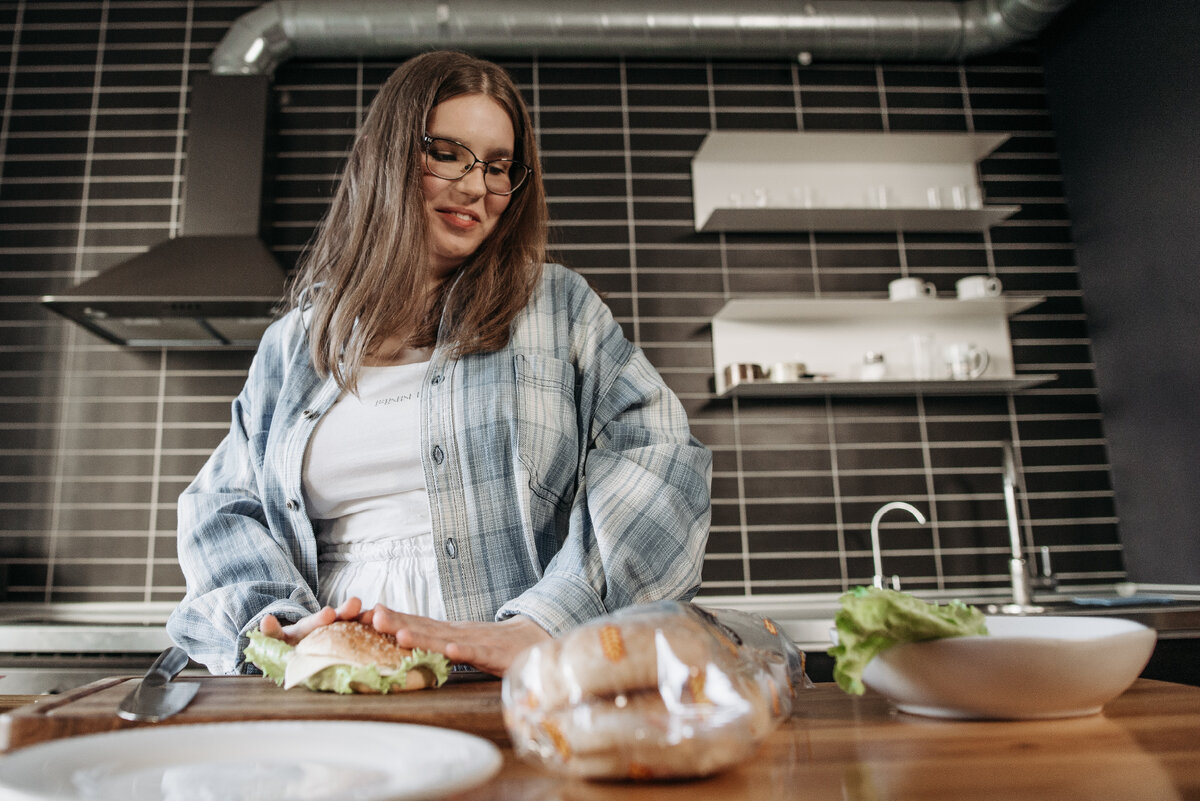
{"x": 1122, "y": 77}
{"x": 96, "y": 442}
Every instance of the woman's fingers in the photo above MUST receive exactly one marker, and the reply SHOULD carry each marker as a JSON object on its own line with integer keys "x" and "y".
{"x": 271, "y": 627}
{"x": 490, "y": 647}
{"x": 350, "y": 609}
{"x": 297, "y": 631}
{"x": 293, "y": 633}
{"x": 466, "y": 654}
{"x": 411, "y": 631}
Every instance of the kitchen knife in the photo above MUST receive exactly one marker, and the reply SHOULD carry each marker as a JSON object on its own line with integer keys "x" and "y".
{"x": 157, "y": 697}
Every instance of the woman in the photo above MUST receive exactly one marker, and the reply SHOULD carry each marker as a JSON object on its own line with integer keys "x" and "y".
{"x": 442, "y": 428}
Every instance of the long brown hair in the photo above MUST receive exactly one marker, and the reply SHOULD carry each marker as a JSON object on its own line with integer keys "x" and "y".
{"x": 366, "y": 270}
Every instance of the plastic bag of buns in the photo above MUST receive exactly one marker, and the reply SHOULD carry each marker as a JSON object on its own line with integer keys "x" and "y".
{"x": 658, "y": 691}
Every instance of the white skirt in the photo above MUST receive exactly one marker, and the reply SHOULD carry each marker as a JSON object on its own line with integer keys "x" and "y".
{"x": 401, "y": 574}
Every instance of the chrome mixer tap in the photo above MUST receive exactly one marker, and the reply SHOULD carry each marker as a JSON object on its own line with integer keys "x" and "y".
{"x": 1018, "y": 569}
{"x": 875, "y": 549}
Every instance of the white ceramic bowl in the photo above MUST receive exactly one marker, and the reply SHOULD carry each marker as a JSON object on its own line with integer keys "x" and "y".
{"x": 1024, "y": 668}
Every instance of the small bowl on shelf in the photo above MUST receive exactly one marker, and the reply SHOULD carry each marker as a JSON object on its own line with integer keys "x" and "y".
{"x": 787, "y": 372}
{"x": 743, "y": 373}
{"x": 1025, "y": 668}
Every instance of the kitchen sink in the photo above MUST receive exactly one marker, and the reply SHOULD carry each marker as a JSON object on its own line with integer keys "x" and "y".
{"x": 1172, "y": 610}
{"x": 52, "y": 648}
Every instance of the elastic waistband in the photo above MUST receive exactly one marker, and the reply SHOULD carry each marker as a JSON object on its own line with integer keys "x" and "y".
{"x": 377, "y": 551}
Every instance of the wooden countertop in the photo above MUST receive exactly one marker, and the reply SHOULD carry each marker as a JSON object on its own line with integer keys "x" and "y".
{"x": 1144, "y": 745}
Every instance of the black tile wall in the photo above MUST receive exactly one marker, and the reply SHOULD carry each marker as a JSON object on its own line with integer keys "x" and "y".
{"x": 97, "y": 442}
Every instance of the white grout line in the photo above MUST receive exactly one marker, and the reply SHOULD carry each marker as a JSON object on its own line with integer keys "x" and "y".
{"x": 631, "y": 224}
{"x": 10, "y": 86}
{"x": 839, "y": 522}
{"x": 156, "y": 475}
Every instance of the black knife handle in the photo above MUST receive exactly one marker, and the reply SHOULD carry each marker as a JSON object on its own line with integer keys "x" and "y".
{"x": 168, "y": 665}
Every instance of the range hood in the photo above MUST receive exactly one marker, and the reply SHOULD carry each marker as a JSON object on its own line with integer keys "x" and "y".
{"x": 216, "y": 285}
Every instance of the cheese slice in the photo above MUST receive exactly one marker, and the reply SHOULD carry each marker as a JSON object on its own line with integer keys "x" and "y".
{"x": 302, "y": 667}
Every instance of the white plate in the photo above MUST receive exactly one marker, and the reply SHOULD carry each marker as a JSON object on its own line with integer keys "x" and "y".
{"x": 295, "y": 760}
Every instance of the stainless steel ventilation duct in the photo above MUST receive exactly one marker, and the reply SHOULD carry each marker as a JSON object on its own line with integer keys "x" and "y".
{"x": 820, "y": 29}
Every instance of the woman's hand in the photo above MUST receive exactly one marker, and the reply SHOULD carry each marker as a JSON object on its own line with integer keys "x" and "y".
{"x": 490, "y": 647}
{"x": 295, "y": 632}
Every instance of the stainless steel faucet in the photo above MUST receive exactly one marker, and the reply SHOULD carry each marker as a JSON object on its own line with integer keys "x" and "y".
{"x": 1018, "y": 569}
{"x": 875, "y": 550}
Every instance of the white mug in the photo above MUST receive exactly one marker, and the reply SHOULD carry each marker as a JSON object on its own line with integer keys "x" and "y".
{"x": 911, "y": 289}
{"x": 974, "y": 287}
{"x": 965, "y": 361}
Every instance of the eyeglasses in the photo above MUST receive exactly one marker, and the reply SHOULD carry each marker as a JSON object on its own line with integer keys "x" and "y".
{"x": 451, "y": 161}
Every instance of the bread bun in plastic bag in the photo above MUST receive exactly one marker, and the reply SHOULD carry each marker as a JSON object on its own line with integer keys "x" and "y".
{"x": 656, "y": 691}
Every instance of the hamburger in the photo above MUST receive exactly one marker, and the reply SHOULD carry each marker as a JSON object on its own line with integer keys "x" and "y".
{"x": 347, "y": 657}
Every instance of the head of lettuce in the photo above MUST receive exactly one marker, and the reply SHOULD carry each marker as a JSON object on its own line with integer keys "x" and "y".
{"x": 347, "y": 657}
{"x": 872, "y": 620}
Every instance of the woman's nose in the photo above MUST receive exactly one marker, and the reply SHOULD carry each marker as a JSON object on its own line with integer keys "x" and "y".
{"x": 473, "y": 182}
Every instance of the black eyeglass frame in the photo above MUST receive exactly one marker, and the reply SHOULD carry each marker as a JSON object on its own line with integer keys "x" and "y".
{"x": 427, "y": 142}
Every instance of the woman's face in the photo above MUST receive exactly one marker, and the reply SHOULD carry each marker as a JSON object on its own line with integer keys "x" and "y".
{"x": 462, "y": 214}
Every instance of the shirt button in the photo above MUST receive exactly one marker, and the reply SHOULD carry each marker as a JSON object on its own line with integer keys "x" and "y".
{"x": 292, "y": 505}
{"x": 309, "y": 414}
{"x": 438, "y": 456}
{"x": 451, "y": 548}
{"x": 437, "y": 379}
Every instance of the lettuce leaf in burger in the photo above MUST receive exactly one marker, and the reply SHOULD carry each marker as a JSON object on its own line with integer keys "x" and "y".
{"x": 347, "y": 657}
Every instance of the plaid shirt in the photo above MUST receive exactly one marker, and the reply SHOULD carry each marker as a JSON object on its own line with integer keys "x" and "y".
{"x": 563, "y": 482}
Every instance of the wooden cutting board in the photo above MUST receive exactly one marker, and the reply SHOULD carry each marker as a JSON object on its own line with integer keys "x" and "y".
{"x": 469, "y": 705}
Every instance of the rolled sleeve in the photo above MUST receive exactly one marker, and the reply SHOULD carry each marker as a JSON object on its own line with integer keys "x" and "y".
{"x": 243, "y": 552}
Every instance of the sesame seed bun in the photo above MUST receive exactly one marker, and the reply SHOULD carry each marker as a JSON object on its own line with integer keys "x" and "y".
{"x": 356, "y": 643}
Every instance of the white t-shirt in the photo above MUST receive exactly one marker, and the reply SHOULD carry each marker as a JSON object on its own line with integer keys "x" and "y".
{"x": 365, "y": 490}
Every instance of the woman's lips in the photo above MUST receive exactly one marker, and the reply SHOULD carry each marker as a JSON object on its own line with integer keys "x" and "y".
{"x": 458, "y": 218}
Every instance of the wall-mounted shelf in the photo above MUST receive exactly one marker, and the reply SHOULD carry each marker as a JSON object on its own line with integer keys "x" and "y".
{"x": 797, "y": 389}
{"x": 776, "y": 181}
{"x": 795, "y": 219}
{"x": 783, "y": 309}
{"x": 830, "y": 337}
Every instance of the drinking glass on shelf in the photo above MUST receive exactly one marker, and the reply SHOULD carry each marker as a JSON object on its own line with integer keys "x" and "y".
{"x": 923, "y": 356}
{"x": 966, "y": 197}
{"x": 803, "y": 197}
{"x": 958, "y": 197}
{"x": 878, "y": 196}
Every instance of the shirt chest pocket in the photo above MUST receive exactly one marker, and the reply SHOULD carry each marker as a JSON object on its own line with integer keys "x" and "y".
{"x": 547, "y": 426}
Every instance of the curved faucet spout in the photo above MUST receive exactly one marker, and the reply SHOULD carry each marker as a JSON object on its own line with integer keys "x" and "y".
{"x": 875, "y": 550}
